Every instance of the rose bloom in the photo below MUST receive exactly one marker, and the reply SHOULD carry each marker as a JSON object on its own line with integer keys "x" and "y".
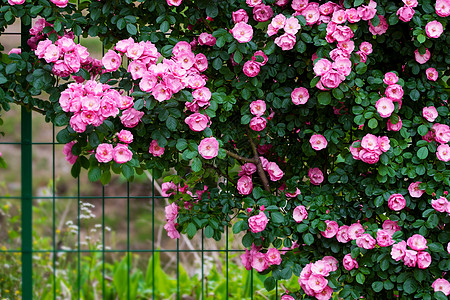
{"x": 366, "y": 48}
{"x": 174, "y": 2}
{"x": 384, "y": 238}
{"x": 405, "y": 13}
{"x": 111, "y": 61}
{"x": 410, "y": 258}
{"x": 258, "y": 123}
{"x": 349, "y": 263}
{"x": 391, "y": 226}
{"x": 300, "y": 213}
{"x": 441, "y": 133}
{"x": 171, "y": 230}
{"x": 197, "y": 122}
{"x": 273, "y": 256}
{"x": 67, "y": 151}
{"x": 171, "y": 212}
{"x": 278, "y": 21}
{"x": 443, "y": 152}
{"x": 414, "y": 190}
{"x": 121, "y": 154}
{"x": 258, "y": 107}
{"x": 286, "y": 41}
{"x": 208, "y": 148}
{"x": 442, "y": 8}
{"x": 131, "y": 117}
{"x": 422, "y": 58}
{"x": 287, "y": 297}
{"x": 311, "y": 13}
{"x": 168, "y": 189}
{"x": 366, "y": 241}
{"x": 385, "y": 107}
{"x": 60, "y": 3}
{"x": 316, "y": 176}
{"x": 396, "y": 202}
{"x": 322, "y": 66}
{"x": 259, "y": 262}
{"x": 251, "y": 68}
{"x": 432, "y": 74}
{"x": 423, "y": 259}
{"x": 355, "y": 230}
{"x": 331, "y": 261}
{"x": 262, "y": 13}
{"x": 16, "y": 2}
{"x": 381, "y": 28}
{"x": 245, "y": 185}
{"x": 434, "y": 29}
{"x": 394, "y": 127}
{"x": 155, "y": 149}
{"x": 390, "y": 78}
{"x": 242, "y": 32}
{"x": 332, "y": 79}
{"x": 417, "y": 242}
{"x": 258, "y": 223}
{"x": 342, "y": 235}
{"x": 384, "y": 143}
{"x": 292, "y": 25}
{"x": 206, "y": 39}
{"x": 343, "y": 66}
{"x": 320, "y": 267}
{"x": 430, "y": 113}
{"x": 239, "y": 16}
{"x": 369, "y": 156}
{"x": 300, "y": 96}
{"x": 318, "y": 142}
{"x": 332, "y": 229}
{"x": 317, "y": 283}
{"x": 441, "y": 284}
{"x": 125, "y": 136}
{"x": 274, "y": 171}
{"x": 398, "y": 251}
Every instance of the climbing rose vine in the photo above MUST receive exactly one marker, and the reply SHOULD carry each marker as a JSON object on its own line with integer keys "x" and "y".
{"x": 318, "y": 130}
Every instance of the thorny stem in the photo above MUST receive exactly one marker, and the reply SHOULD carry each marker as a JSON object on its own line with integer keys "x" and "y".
{"x": 41, "y": 111}
{"x": 259, "y": 166}
{"x": 238, "y": 157}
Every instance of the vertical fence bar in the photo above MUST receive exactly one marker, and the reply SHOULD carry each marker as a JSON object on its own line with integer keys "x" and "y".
{"x": 54, "y": 213}
{"x": 27, "y": 189}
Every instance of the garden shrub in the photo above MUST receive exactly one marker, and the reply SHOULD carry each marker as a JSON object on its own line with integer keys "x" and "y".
{"x": 320, "y": 130}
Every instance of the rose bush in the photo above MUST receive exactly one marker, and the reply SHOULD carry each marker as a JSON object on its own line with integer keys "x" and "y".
{"x": 319, "y": 129}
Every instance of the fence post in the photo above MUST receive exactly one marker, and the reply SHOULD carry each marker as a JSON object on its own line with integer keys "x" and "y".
{"x": 27, "y": 191}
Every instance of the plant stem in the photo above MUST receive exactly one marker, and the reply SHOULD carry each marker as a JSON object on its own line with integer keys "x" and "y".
{"x": 259, "y": 166}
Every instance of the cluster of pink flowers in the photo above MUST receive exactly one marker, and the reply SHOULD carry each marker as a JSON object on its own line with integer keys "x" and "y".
{"x": 171, "y": 212}
{"x": 254, "y": 259}
{"x": 313, "y": 278}
{"x": 290, "y": 26}
{"x": 414, "y": 256}
{"x": 120, "y": 153}
{"x": 59, "y": 3}
{"x": 93, "y": 102}
{"x": 440, "y": 133}
{"x": 371, "y": 148}
{"x": 441, "y": 205}
{"x": 37, "y": 33}
{"x": 394, "y": 93}
{"x": 67, "y": 57}
{"x": 245, "y": 183}
{"x": 258, "y": 122}
{"x": 252, "y": 67}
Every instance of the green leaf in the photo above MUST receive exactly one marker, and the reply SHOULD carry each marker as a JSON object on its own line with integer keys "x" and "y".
{"x": 11, "y": 68}
{"x": 361, "y": 68}
{"x": 302, "y": 227}
{"x": 377, "y": 286}
{"x": 357, "y": 3}
{"x": 164, "y": 27}
{"x": 308, "y": 238}
{"x": 373, "y": 123}
{"x": 217, "y": 63}
{"x": 436, "y": 247}
{"x": 247, "y": 240}
{"x": 94, "y": 174}
{"x": 127, "y": 171}
{"x": 300, "y": 46}
{"x": 422, "y": 130}
{"x": 106, "y": 177}
{"x": 277, "y": 217}
{"x": 360, "y": 278}
{"x": 269, "y": 283}
{"x": 324, "y": 98}
{"x": 191, "y": 230}
{"x": 171, "y": 123}
{"x": 131, "y": 28}
{"x": 414, "y": 94}
{"x": 76, "y": 168}
{"x": 212, "y": 10}
{"x": 181, "y": 144}
{"x": 237, "y": 57}
{"x": 237, "y": 227}
{"x": 388, "y": 285}
{"x": 421, "y": 38}
{"x": 410, "y": 285}
{"x": 422, "y": 153}
{"x": 209, "y": 232}
{"x": 3, "y": 79}
{"x": 196, "y": 164}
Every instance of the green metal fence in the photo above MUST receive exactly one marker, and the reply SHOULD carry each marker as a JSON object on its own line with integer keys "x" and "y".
{"x": 237, "y": 283}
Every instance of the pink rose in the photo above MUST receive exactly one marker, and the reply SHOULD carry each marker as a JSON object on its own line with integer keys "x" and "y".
{"x": 240, "y": 16}
{"x": 355, "y": 230}
{"x": 311, "y": 13}
{"x": 242, "y": 32}
{"x": 343, "y": 33}
{"x": 394, "y": 127}
{"x": 318, "y": 142}
{"x": 286, "y": 297}
{"x": 131, "y": 117}
{"x": 410, "y": 259}
{"x": 104, "y": 153}
{"x": 432, "y": 74}
{"x": 262, "y": 13}
{"x": 155, "y": 149}
{"x": 286, "y": 41}
{"x": 258, "y": 223}
{"x": 342, "y": 235}
{"x": 77, "y": 123}
{"x": 384, "y": 143}
{"x": 414, "y": 190}
{"x": 67, "y": 151}
{"x": 331, "y": 261}
{"x": 332, "y": 79}
{"x": 197, "y": 122}
{"x": 332, "y": 229}
{"x": 170, "y": 226}
{"x": 441, "y": 133}
{"x": 258, "y": 123}
{"x": 390, "y": 78}
{"x": 423, "y": 259}
{"x": 434, "y": 29}
{"x": 16, "y": 2}
{"x": 245, "y": 185}
{"x": 320, "y": 267}
{"x": 325, "y": 294}
{"x": 417, "y": 242}
{"x": 396, "y": 202}
{"x": 343, "y": 66}
{"x": 171, "y": 212}
{"x": 349, "y": 263}
{"x": 111, "y": 61}
{"x": 259, "y": 262}
{"x": 322, "y": 66}
{"x": 206, "y": 39}
{"x": 369, "y": 156}
{"x": 317, "y": 283}
{"x": 174, "y": 2}
{"x": 405, "y": 13}
{"x": 366, "y": 241}
{"x": 441, "y": 284}
{"x": 441, "y": 204}
{"x": 352, "y": 15}
{"x": 60, "y": 3}
{"x": 398, "y": 251}
{"x": 366, "y": 48}
{"x": 208, "y": 148}
{"x": 339, "y": 16}
{"x": 293, "y": 195}
{"x": 274, "y": 171}
{"x": 300, "y": 213}
{"x": 381, "y": 28}
{"x": 278, "y": 21}
{"x": 385, "y": 107}
{"x": 246, "y": 260}
{"x": 292, "y": 26}
{"x": 251, "y": 68}
{"x": 443, "y": 152}
{"x": 258, "y": 107}
{"x": 121, "y": 154}
{"x": 316, "y": 176}
{"x": 168, "y": 189}
{"x": 273, "y": 256}
{"x": 15, "y": 51}
{"x": 391, "y": 226}
{"x": 422, "y": 58}
{"x": 410, "y": 3}
{"x": 430, "y": 113}
{"x": 300, "y": 96}
{"x": 384, "y": 238}
{"x": 442, "y": 8}
{"x": 367, "y": 12}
